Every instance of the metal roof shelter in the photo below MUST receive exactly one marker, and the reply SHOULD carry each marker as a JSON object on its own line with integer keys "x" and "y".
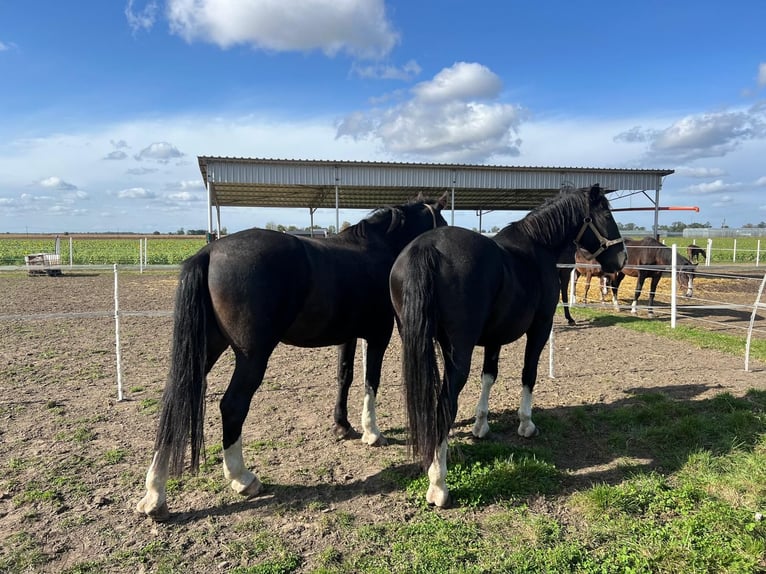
{"x": 314, "y": 184}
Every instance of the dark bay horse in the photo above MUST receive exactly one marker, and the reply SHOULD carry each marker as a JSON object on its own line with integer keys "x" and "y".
{"x": 462, "y": 290}
{"x": 254, "y": 289}
{"x": 650, "y": 258}
{"x": 590, "y": 269}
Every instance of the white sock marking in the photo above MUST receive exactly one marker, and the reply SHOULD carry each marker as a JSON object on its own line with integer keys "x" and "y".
{"x": 437, "y": 473}
{"x": 481, "y": 425}
{"x": 234, "y": 468}
{"x": 526, "y": 426}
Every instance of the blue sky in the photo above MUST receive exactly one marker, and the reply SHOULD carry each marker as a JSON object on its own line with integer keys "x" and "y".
{"x": 107, "y": 104}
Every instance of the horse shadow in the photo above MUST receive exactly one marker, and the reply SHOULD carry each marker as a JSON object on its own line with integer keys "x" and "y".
{"x": 595, "y": 444}
{"x": 607, "y": 442}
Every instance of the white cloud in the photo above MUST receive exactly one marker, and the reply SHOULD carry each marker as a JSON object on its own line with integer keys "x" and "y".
{"x": 186, "y": 196}
{"x": 716, "y": 186}
{"x": 700, "y": 172}
{"x": 57, "y": 183}
{"x": 136, "y": 193}
{"x": 761, "y": 181}
{"x": 357, "y": 27}
{"x": 162, "y": 152}
{"x": 455, "y": 117}
{"x": 762, "y": 74}
{"x": 404, "y": 73}
{"x": 116, "y": 155}
{"x": 142, "y": 19}
{"x": 714, "y": 134}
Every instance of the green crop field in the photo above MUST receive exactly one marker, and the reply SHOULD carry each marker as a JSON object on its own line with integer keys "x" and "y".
{"x": 102, "y": 250}
{"x": 724, "y": 250}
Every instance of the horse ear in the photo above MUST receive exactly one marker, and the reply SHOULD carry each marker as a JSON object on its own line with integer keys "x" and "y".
{"x": 420, "y": 197}
{"x": 441, "y": 203}
{"x": 596, "y": 192}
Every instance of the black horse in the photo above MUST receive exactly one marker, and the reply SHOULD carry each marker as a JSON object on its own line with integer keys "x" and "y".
{"x": 254, "y": 289}
{"x": 694, "y": 252}
{"x": 463, "y": 289}
{"x": 649, "y": 258}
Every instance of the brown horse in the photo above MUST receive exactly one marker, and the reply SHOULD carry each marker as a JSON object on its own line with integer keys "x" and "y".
{"x": 649, "y": 258}
{"x": 589, "y": 268}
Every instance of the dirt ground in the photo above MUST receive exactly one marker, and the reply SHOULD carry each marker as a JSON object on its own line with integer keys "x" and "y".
{"x": 63, "y": 431}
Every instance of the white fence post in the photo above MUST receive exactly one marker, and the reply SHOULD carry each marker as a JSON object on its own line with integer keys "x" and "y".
{"x": 757, "y": 253}
{"x": 734, "y": 252}
{"x": 709, "y": 252}
{"x": 756, "y": 304}
{"x": 117, "y": 334}
{"x": 673, "y": 287}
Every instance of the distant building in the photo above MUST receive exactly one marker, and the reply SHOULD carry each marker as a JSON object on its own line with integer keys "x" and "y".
{"x": 725, "y": 232}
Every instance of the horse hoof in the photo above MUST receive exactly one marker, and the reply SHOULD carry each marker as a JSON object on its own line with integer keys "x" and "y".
{"x": 342, "y": 432}
{"x": 572, "y": 322}
{"x": 526, "y": 433}
{"x": 439, "y": 499}
{"x": 158, "y": 514}
{"x": 253, "y": 489}
{"x": 374, "y": 440}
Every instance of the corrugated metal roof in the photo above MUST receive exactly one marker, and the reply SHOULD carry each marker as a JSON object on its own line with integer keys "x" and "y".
{"x": 259, "y": 182}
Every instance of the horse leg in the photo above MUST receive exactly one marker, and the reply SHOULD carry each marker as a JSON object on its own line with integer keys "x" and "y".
{"x": 537, "y": 336}
{"x": 652, "y": 290}
{"x": 154, "y": 502}
{"x": 456, "y": 369}
{"x": 234, "y": 406}
{"x": 346, "y": 351}
{"x": 564, "y": 278}
{"x": 371, "y": 434}
{"x": 639, "y": 287}
{"x": 588, "y": 276}
{"x": 488, "y": 378}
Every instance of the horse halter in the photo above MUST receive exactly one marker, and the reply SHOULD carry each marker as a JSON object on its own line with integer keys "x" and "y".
{"x": 433, "y": 213}
{"x": 603, "y": 241}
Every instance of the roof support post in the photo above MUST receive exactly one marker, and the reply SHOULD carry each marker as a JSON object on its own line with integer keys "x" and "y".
{"x": 655, "y": 228}
{"x": 337, "y": 208}
{"x": 210, "y": 208}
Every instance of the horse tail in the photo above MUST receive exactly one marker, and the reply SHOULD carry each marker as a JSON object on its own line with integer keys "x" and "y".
{"x": 183, "y": 405}
{"x": 426, "y": 403}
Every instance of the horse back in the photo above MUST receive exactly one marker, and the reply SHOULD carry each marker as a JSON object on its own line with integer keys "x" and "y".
{"x": 300, "y": 291}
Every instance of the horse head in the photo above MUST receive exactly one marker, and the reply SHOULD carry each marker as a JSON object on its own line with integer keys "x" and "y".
{"x": 416, "y": 217}
{"x": 686, "y": 277}
{"x": 599, "y": 237}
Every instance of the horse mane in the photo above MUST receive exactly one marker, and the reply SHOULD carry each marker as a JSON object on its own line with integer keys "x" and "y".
{"x": 382, "y": 218}
{"x": 544, "y": 224}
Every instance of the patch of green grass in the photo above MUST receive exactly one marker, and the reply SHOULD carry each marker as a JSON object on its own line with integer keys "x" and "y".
{"x": 653, "y": 524}
{"x": 702, "y": 338}
{"x": 21, "y": 552}
{"x": 149, "y": 406}
{"x": 80, "y": 434}
{"x": 260, "y": 551}
{"x": 115, "y": 456}
{"x": 488, "y": 472}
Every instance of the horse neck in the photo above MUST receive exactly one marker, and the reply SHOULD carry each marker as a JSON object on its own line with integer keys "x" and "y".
{"x": 554, "y": 227}
{"x": 375, "y": 235}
